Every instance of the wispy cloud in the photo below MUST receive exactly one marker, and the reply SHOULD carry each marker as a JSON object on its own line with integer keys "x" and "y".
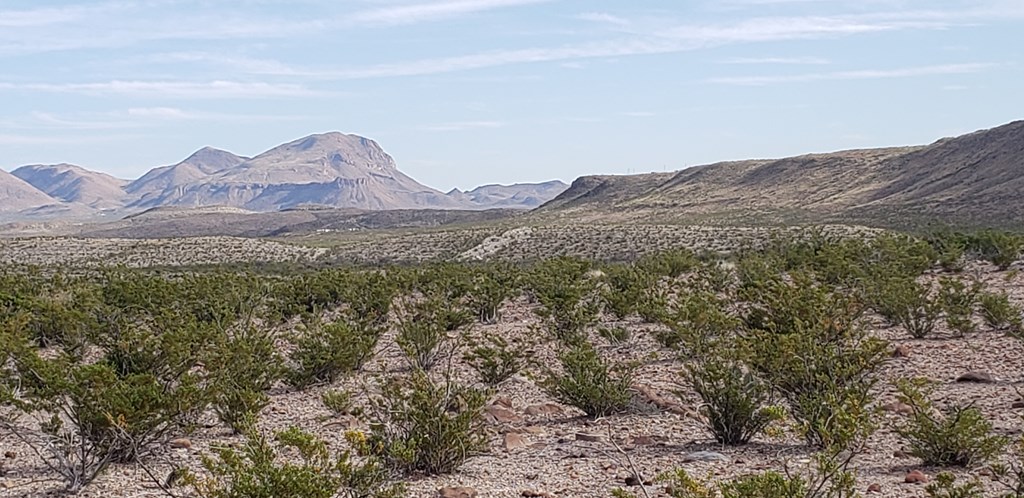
{"x": 605, "y": 18}
{"x": 462, "y": 126}
{"x": 432, "y": 11}
{"x": 173, "y": 89}
{"x": 640, "y": 114}
{"x": 865, "y": 74}
{"x": 777, "y": 60}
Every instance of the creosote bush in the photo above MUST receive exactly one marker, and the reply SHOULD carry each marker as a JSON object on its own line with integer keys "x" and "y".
{"x": 418, "y": 425}
{"x": 495, "y": 359}
{"x": 324, "y": 352}
{"x": 247, "y": 366}
{"x": 735, "y": 403}
{"x": 589, "y": 382}
{"x": 998, "y": 312}
{"x": 423, "y": 327}
{"x": 955, "y": 436}
{"x": 256, "y": 471}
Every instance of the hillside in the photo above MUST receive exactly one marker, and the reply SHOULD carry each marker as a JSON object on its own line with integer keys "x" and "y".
{"x": 74, "y": 184}
{"x": 972, "y": 179}
{"x": 17, "y": 195}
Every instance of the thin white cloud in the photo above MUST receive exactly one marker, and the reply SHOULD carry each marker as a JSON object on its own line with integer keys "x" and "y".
{"x": 778, "y": 60}
{"x": 605, "y": 18}
{"x": 432, "y": 11}
{"x": 640, "y": 114}
{"x": 463, "y": 126}
{"x": 172, "y": 89}
{"x": 866, "y": 74}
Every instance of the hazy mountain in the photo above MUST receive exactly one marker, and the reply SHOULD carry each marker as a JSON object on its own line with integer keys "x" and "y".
{"x": 976, "y": 179}
{"x": 17, "y": 195}
{"x": 74, "y": 184}
{"x": 519, "y": 195}
{"x": 160, "y": 184}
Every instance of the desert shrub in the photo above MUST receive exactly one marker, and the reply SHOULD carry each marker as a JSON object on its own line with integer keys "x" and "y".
{"x": 244, "y": 365}
{"x": 765, "y": 485}
{"x": 490, "y": 287}
{"x": 998, "y": 312}
{"x": 419, "y": 425}
{"x": 950, "y": 249}
{"x": 255, "y": 471}
{"x": 905, "y": 302}
{"x": 423, "y": 327}
{"x": 624, "y": 288}
{"x": 1010, "y": 476}
{"x": 945, "y": 486}
{"x": 957, "y": 436}
{"x": 590, "y": 382}
{"x": 323, "y": 352}
{"x": 495, "y": 359}
{"x": 825, "y": 479}
{"x": 1000, "y": 248}
{"x": 696, "y": 318}
{"x": 615, "y": 335}
{"x": 735, "y": 403}
{"x": 828, "y": 387}
{"x": 339, "y": 402}
{"x": 671, "y": 263}
{"x": 958, "y": 300}
{"x": 567, "y": 296}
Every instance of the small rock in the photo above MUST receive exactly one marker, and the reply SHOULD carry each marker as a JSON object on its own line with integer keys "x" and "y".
{"x": 536, "y": 494}
{"x": 898, "y": 407}
{"x": 457, "y": 492}
{"x": 1017, "y": 404}
{"x": 985, "y": 472}
{"x": 503, "y": 401}
{"x": 916, "y": 477}
{"x": 705, "y": 456}
{"x": 503, "y": 415}
{"x": 514, "y": 441}
{"x": 875, "y": 488}
{"x": 633, "y": 481}
{"x": 180, "y": 443}
{"x": 979, "y": 377}
{"x": 593, "y": 438}
{"x": 901, "y": 351}
{"x": 644, "y": 441}
{"x": 546, "y": 409}
{"x": 10, "y": 455}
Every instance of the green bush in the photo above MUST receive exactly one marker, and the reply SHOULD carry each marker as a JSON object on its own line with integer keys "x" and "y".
{"x": 958, "y": 300}
{"x": 766, "y": 485}
{"x": 736, "y": 404}
{"x": 905, "y": 302}
{"x": 423, "y": 327}
{"x": 243, "y": 366}
{"x": 829, "y": 387}
{"x": 624, "y": 288}
{"x": 672, "y": 263}
{"x": 490, "y": 287}
{"x": 495, "y": 359}
{"x": 567, "y": 296}
{"x": 998, "y": 312}
{"x": 256, "y": 471}
{"x": 590, "y": 383}
{"x": 339, "y": 402}
{"x": 419, "y": 425}
{"x": 323, "y": 352}
{"x": 696, "y": 318}
{"x": 1000, "y": 248}
{"x": 959, "y": 436}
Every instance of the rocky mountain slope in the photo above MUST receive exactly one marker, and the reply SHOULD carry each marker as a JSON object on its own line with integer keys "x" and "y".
{"x": 68, "y": 183}
{"x": 331, "y": 170}
{"x": 972, "y": 179}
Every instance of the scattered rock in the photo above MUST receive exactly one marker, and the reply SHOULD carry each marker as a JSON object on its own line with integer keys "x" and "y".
{"x": 536, "y": 494}
{"x": 457, "y": 492}
{"x": 504, "y": 401}
{"x": 633, "y": 480}
{"x": 1017, "y": 404}
{"x": 875, "y": 488}
{"x": 705, "y": 456}
{"x": 661, "y": 402}
{"x": 180, "y": 443}
{"x": 898, "y": 407}
{"x": 514, "y": 441}
{"x": 901, "y": 351}
{"x": 644, "y": 441}
{"x": 503, "y": 415}
{"x": 10, "y": 455}
{"x": 978, "y": 377}
{"x": 593, "y": 438}
{"x": 546, "y": 409}
{"x": 916, "y": 477}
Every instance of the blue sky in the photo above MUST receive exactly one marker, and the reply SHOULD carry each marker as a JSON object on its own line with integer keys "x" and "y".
{"x": 466, "y": 92}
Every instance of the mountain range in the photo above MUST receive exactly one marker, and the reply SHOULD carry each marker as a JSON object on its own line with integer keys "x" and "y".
{"x": 332, "y": 170}
{"x": 975, "y": 179}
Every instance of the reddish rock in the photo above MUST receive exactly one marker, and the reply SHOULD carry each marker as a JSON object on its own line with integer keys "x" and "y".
{"x": 546, "y": 409}
{"x": 528, "y": 493}
{"x": 916, "y": 477}
{"x": 180, "y": 443}
{"x": 514, "y": 441}
{"x": 898, "y": 407}
{"x": 901, "y": 351}
{"x": 875, "y": 488}
{"x": 457, "y": 492}
{"x": 503, "y": 415}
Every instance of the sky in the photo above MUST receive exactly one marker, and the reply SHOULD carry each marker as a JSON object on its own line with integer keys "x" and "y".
{"x": 470, "y": 92}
